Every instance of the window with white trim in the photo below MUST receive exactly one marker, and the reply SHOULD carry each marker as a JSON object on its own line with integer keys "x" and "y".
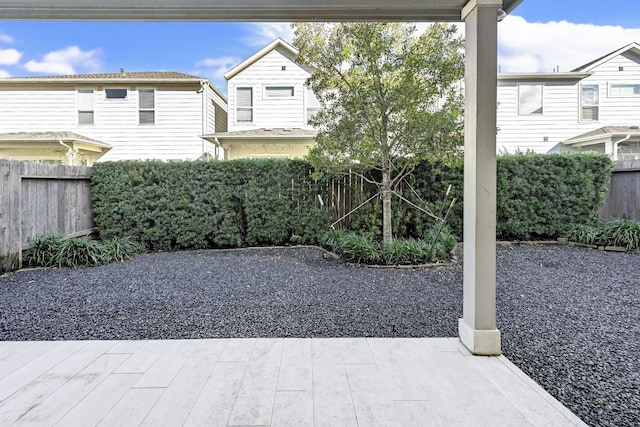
{"x": 278, "y": 92}
{"x": 590, "y": 103}
{"x": 530, "y": 99}
{"x": 85, "y": 101}
{"x": 244, "y": 105}
{"x": 147, "y": 106}
{"x": 625, "y": 89}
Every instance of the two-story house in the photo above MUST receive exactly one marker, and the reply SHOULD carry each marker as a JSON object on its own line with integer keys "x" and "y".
{"x": 116, "y": 116}
{"x": 595, "y": 107}
{"x": 269, "y": 106}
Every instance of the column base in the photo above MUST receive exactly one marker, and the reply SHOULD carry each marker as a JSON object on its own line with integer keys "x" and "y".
{"x": 479, "y": 342}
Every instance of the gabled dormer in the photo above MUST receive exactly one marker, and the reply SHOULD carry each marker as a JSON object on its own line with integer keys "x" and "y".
{"x": 268, "y": 90}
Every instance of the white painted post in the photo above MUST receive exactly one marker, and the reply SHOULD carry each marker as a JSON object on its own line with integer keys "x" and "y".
{"x": 477, "y": 328}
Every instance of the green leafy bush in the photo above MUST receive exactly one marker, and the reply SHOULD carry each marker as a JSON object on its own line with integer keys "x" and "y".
{"x": 362, "y": 249}
{"x": 59, "y": 251}
{"x": 207, "y": 204}
{"x": 622, "y": 232}
{"x": 254, "y": 202}
{"x": 585, "y": 234}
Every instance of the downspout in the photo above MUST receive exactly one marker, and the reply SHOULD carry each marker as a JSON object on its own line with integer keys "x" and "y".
{"x": 615, "y": 147}
{"x": 205, "y": 114}
{"x": 69, "y": 152}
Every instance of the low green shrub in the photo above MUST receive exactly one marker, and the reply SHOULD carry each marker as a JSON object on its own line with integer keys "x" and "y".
{"x": 59, "y": 251}
{"x": 362, "y": 249}
{"x": 621, "y": 232}
{"x": 585, "y": 234}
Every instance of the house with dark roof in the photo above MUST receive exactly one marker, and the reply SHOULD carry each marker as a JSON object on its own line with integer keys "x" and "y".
{"x": 269, "y": 106}
{"x": 117, "y": 116}
{"x": 595, "y": 107}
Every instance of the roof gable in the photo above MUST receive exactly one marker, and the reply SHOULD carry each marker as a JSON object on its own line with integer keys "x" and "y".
{"x": 633, "y": 47}
{"x": 277, "y": 43}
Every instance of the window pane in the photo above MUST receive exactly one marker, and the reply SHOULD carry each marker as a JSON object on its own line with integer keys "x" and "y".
{"x": 147, "y": 117}
{"x": 244, "y": 97}
{"x": 85, "y": 117}
{"x": 245, "y": 115}
{"x": 590, "y": 95}
{"x": 85, "y": 99}
{"x": 529, "y": 99}
{"x": 115, "y": 93}
{"x": 147, "y": 101}
{"x": 279, "y": 91}
{"x": 590, "y": 113}
{"x": 625, "y": 89}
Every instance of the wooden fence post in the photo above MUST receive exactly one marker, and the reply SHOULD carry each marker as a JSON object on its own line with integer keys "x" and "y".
{"x": 10, "y": 219}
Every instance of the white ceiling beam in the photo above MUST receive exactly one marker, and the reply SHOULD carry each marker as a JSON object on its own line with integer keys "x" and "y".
{"x": 237, "y": 10}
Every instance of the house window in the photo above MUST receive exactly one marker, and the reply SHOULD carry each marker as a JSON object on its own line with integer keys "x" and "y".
{"x": 590, "y": 100}
{"x": 244, "y": 105}
{"x": 115, "y": 93}
{"x": 278, "y": 91}
{"x": 530, "y": 99}
{"x": 625, "y": 89}
{"x": 147, "y": 106}
{"x": 85, "y": 101}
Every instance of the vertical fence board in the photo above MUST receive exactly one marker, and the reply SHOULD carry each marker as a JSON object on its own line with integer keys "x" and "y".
{"x": 38, "y": 199}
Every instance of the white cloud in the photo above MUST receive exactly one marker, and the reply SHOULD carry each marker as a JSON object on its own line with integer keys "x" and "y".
{"x": 541, "y": 47}
{"x": 261, "y": 34}
{"x": 70, "y": 60}
{"x": 5, "y": 38}
{"x": 9, "y": 56}
{"x": 4, "y": 74}
{"x": 218, "y": 66}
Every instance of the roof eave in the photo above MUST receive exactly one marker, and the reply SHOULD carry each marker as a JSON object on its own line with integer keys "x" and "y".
{"x": 542, "y": 76}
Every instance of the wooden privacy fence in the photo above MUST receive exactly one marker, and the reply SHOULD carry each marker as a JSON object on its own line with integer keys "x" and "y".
{"x": 38, "y": 199}
{"x": 623, "y": 198}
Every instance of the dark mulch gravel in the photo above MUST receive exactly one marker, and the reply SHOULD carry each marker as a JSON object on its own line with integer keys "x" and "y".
{"x": 569, "y": 317}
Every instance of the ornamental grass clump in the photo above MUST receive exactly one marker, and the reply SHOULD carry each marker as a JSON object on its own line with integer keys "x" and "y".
{"x": 621, "y": 232}
{"x": 361, "y": 248}
{"x": 60, "y": 251}
{"x": 624, "y": 232}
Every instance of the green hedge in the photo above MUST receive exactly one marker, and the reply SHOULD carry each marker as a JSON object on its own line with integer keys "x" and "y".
{"x": 204, "y": 204}
{"x": 217, "y": 204}
{"x": 539, "y": 196}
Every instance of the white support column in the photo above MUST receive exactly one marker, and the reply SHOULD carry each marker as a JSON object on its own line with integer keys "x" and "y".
{"x": 477, "y": 328}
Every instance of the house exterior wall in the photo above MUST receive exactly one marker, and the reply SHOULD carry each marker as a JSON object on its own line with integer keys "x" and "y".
{"x": 274, "y": 148}
{"x": 276, "y": 68}
{"x": 180, "y": 117}
{"x": 562, "y": 105}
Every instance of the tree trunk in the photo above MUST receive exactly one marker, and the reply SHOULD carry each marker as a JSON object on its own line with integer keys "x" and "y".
{"x": 387, "y": 235}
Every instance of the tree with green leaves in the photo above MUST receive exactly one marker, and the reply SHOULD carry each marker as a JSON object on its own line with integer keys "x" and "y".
{"x": 390, "y": 98}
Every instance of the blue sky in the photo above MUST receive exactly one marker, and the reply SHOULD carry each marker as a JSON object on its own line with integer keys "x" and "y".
{"x": 540, "y": 35}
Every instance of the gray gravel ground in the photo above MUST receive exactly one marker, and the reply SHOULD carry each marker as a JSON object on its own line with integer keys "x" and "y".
{"x": 569, "y": 316}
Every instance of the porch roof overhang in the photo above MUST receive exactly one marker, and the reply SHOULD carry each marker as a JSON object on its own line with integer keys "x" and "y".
{"x": 41, "y": 140}
{"x": 262, "y": 135}
{"x": 239, "y": 10}
{"x": 603, "y": 135}
{"x": 534, "y": 77}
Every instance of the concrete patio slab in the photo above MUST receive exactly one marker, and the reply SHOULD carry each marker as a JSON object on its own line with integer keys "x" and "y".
{"x": 268, "y": 382}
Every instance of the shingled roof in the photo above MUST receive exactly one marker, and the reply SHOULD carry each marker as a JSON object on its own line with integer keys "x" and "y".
{"x": 122, "y": 75}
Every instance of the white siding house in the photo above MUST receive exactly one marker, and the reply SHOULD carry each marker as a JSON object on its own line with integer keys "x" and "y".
{"x": 269, "y": 106}
{"x": 594, "y": 107}
{"x": 140, "y": 115}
